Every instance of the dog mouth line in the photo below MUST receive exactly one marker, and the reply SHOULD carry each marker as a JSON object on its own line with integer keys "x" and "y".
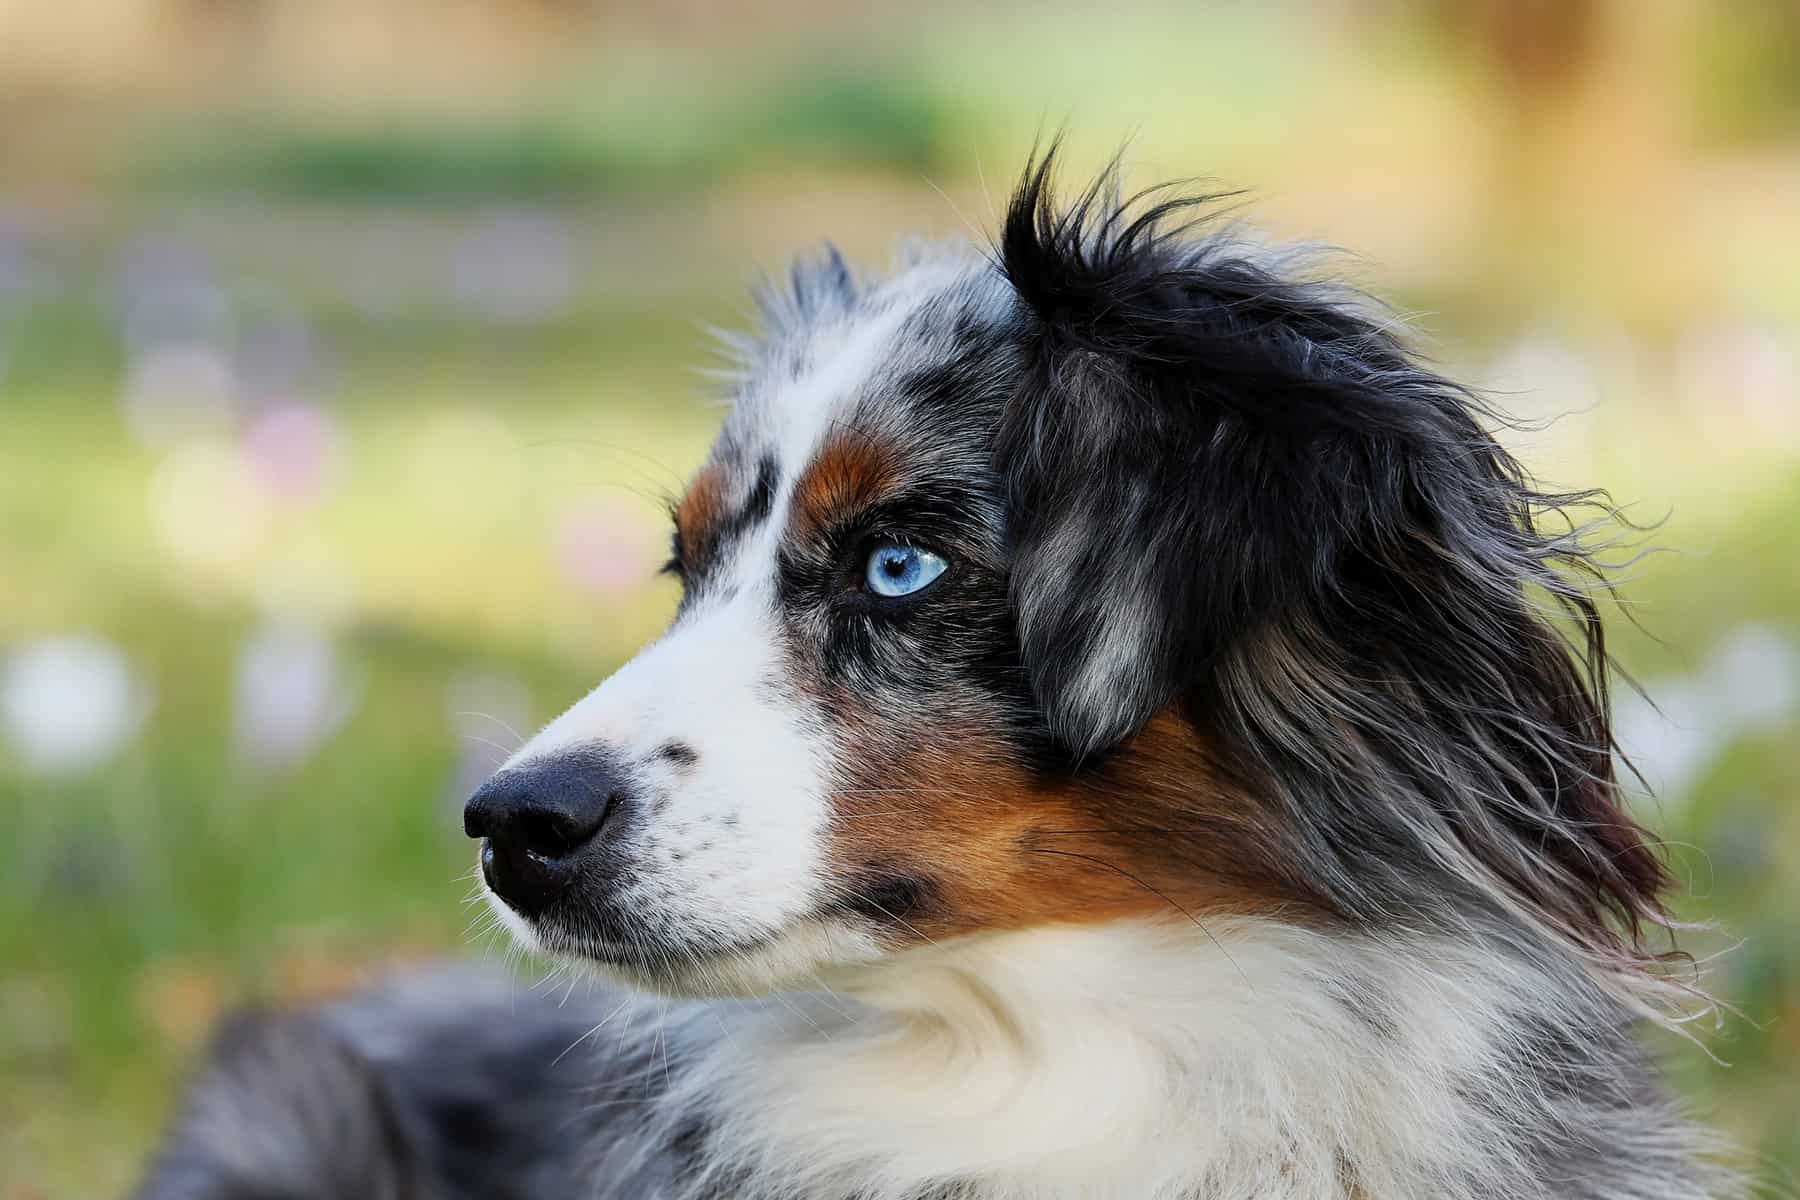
{"x": 654, "y": 954}
{"x": 675, "y": 960}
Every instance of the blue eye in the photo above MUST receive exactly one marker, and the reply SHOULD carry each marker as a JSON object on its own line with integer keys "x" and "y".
{"x": 897, "y": 570}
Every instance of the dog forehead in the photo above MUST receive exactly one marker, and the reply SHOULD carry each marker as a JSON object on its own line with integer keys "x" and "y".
{"x": 859, "y": 372}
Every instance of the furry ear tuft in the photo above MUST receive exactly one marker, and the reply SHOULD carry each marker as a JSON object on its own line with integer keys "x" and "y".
{"x": 817, "y": 287}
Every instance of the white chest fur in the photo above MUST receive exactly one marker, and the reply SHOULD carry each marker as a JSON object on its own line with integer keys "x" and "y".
{"x": 1249, "y": 1061}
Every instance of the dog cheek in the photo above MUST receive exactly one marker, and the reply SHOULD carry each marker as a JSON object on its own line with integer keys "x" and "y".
{"x": 974, "y": 839}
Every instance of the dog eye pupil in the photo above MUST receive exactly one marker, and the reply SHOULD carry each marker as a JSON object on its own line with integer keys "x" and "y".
{"x": 899, "y": 570}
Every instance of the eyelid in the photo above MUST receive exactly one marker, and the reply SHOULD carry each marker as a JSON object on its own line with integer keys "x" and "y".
{"x": 887, "y": 535}
{"x": 865, "y": 543}
{"x": 948, "y": 519}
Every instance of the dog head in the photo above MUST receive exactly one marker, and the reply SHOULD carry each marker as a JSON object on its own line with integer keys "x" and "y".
{"x": 1120, "y": 573}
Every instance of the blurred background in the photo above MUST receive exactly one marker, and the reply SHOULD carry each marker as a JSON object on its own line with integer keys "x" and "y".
{"x": 348, "y": 349}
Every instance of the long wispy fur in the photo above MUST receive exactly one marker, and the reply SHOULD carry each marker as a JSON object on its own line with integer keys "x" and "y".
{"x": 1237, "y": 820}
{"x": 1354, "y": 583}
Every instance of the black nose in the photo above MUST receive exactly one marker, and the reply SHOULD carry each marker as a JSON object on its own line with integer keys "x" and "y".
{"x": 538, "y": 818}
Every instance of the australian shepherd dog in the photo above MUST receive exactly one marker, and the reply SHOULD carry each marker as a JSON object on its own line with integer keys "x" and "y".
{"x": 1129, "y": 732}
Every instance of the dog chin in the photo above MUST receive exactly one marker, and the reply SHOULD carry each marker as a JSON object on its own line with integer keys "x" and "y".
{"x": 795, "y": 957}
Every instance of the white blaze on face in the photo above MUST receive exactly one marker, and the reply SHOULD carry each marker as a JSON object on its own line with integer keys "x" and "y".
{"x": 725, "y": 849}
{"x": 729, "y": 849}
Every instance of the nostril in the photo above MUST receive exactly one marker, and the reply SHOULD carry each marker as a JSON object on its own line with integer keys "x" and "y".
{"x": 550, "y": 834}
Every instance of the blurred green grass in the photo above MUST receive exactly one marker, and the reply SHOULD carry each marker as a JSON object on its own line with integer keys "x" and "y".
{"x": 874, "y": 114}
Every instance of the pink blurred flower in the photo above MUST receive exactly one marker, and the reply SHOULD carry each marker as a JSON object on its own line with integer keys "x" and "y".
{"x": 1747, "y": 371}
{"x": 292, "y": 449}
{"x": 605, "y": 546}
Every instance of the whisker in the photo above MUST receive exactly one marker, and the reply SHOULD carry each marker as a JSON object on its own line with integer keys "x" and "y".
{"x": 518, "y": 737}
{"x": 604, "y": 1022}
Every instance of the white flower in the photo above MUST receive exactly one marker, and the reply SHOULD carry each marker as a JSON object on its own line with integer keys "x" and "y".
{"x": 1668, "y": 739}
{"x": 1754, "y": 679}
{"x": 1750, "y": 684}
{"x": 69, "y": 702}
{"x": 178, "y": 390}
{"x": 605, "y": 546}
{"x": 292, "y": 693}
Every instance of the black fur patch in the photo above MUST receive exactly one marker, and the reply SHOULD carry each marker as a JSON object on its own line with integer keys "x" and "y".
{"x": 888, "y": 898}
{"x": 757, "y": 504}
{"x": 1234, "y": 492}
{"x": 678, "y": 752}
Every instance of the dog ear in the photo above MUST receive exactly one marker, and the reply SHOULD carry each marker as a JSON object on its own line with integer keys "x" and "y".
{"x": 1196, "y": 442}
{"x": 1237, "y": 494}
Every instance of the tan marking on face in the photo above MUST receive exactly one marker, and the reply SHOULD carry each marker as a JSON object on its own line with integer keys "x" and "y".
{"x": 850, "y": 472}
{"x": 1154, "y": 830}
{"x": 699, "y": 512}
